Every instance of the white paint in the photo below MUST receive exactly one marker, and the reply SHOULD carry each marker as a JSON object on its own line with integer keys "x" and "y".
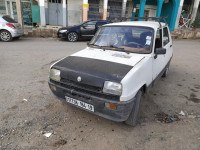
{"x": 110, "y": 55}
{"x": 152, "y": 24}
{"x": 145, "y": 67}
{"x": 140, "y": 75}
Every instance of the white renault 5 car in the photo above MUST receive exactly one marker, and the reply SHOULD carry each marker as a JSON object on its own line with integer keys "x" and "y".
{"x": 108, "y": 77}
{"x": 9, "y": 29}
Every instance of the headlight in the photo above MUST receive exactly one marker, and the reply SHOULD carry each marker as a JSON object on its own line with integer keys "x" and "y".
{"x": 62, "y": 31}
{"x": 112, "y": 88}
{"x": 54, "y": 74}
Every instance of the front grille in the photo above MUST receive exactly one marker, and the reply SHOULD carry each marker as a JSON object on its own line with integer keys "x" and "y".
{"x": 84, "y": 90}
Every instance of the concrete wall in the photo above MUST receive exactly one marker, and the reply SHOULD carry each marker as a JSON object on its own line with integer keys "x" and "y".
{"x": 75, "y": 8}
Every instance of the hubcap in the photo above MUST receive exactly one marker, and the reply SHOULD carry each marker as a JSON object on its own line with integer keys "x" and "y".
{"x": 5, "y": 36}
{"x": 72, "y": 37}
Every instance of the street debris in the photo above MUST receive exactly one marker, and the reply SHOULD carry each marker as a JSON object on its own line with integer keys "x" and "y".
{"x": 48, "y": 134}
{"x": 192, "y": 116}
{"x": 25, "y": 100}
{"x": 194, "y": 98}
{"x": 165, "y": 118}
{"x": 60, "y": 142}
{"x": 182, "y": 113}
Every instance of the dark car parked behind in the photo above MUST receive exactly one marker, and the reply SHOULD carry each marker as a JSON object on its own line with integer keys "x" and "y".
{"x": 85, "y": 30}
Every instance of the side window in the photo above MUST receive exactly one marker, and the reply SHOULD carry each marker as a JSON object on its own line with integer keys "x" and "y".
{"x": 158, "y": 42}
{"x": 165, "y": 36}
{"x": 90, "y": 24}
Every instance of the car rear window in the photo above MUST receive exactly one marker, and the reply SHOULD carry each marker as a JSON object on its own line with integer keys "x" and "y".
{"x": 8, "y": 19}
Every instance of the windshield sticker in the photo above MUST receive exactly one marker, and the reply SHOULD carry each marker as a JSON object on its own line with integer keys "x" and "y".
{"x": 148, "y": 38}
{"x": 148, "y": 42}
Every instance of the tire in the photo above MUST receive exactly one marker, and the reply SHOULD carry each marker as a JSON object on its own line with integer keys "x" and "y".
{"x": 5, "y": 36}
{"x": 133, "y": 117}
{"x": 72, "y": 37}
{"x": 166, "y": 72}
{"x": 17, "y": 38}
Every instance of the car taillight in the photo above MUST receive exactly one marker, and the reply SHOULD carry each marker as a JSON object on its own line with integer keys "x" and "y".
{"x": 10, "y": 25}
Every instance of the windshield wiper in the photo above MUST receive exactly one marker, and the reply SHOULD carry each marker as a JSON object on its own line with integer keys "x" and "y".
{"x": 117, "y": 48}
{"x": 94, "y": 45}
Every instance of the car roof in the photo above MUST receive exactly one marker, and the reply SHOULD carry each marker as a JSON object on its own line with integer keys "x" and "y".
{"x": 152, "y": 24}
{"x": 99, "y": 20}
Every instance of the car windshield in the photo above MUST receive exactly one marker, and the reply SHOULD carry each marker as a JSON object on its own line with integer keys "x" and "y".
{"x": 8, "y": 19}
{"x": 127, "y": 38}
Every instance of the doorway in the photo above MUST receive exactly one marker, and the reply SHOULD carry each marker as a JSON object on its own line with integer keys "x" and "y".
{"x": 55, "y": 11}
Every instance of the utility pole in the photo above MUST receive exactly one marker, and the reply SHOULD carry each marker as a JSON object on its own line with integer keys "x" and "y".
{"x": 124, "y": 8}
{"x": 19, "y": 12}
{"x": 85, "y": 10}
{"x": 194, "y": 10}
{"x": 105, "y": 7}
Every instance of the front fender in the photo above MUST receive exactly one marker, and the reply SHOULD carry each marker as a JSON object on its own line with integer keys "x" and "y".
{"x": 140, "y": 75}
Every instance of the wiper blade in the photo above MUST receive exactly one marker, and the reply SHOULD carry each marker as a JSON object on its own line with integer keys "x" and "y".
{"x": 94, "y": 45}
{"x": 117, "y": 48}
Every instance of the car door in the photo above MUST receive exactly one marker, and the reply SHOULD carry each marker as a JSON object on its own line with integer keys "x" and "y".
{"x": 88, "y": 29}
{"x": 163, "y": 40}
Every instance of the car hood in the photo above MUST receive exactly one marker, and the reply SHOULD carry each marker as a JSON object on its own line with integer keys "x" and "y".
{"x": 96, "y": 66}
{"x": 69, "y": 27}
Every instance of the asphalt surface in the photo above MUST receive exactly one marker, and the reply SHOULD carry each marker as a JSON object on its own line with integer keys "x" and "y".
{"x": 28, "y": 109}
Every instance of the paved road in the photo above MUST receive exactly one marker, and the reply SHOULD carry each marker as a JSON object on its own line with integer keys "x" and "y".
{"x": 24, "y": 68}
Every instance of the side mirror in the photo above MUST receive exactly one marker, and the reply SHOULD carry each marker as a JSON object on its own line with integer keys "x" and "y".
{"x": 159, "y": 51}
{"x": 84, "y": 26}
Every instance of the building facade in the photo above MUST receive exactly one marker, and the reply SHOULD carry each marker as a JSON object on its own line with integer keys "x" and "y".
{"x": 72, "y": 12}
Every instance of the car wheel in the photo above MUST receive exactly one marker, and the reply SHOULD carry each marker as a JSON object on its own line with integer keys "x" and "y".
{"x": 5, "y": 36}
{"x": 133, "y": 117}
{"x": 166, "y": 72}
{"x": 72, "y": 36}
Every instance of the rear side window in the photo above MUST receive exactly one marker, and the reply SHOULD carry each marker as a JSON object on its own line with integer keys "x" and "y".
{"x": 165, "y": 36}
{"x": 8, "y": 19}
{"x": 90, "y": 24}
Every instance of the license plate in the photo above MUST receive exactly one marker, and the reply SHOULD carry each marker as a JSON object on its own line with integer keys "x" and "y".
{"x": 19, "y": 27}
{"x": 79, "y": 103}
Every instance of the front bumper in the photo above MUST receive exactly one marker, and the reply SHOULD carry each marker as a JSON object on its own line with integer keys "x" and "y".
{"x": 62, "y": 35}
{"x": 119, "y": 115}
